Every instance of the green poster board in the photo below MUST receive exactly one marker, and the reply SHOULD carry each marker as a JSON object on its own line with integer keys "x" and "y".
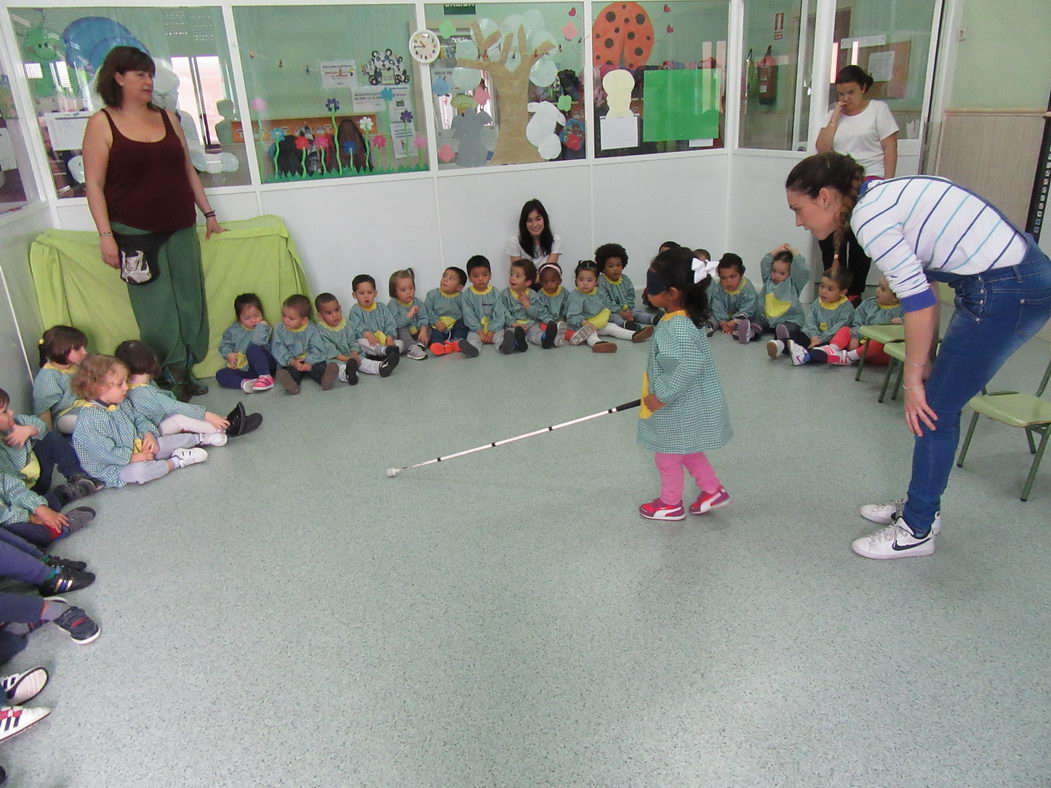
{"x": 680, "y": 104}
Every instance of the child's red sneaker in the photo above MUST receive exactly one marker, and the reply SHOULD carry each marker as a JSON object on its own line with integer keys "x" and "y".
{"x": 439, "y": 348}
{"x": 659, "y": 510}
{"x": 708, "y": 501}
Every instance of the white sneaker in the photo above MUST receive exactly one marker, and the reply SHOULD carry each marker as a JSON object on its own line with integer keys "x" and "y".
{"x": 799, "y": 354}
{"x": 582, "y": 334}
{"x": 560, "y": 333}
{"x": 248, "y": 385}
{"x": 416, "y": 352}
{"x": 774, "y": 348}
{"x": 894, "y": 541}
{"x": 212, "y": 439}
{"x": 186, "y": 457}
{"x": 21, "y": 687}
{"x": 883, "y": 513}
{"x": 15, "y": 719}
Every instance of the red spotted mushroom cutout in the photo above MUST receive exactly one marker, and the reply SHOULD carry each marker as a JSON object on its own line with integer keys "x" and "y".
{"x": 623, "y": 36}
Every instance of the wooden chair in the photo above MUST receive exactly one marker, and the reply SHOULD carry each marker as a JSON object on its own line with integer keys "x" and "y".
{"x": 885, "y": 335}
{"x": 1024, "y": 411}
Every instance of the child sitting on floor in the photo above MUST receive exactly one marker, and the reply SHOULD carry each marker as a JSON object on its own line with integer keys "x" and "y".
{"x": 549, "y": 303}
{"x": 167, "y": 414}
{"x": 373, "y": 324}
{"x": 618, "y": 290}
{"x": 31, "y": 452}
{"x": 298, "y": 348}
{"x": 246, "y": 347}
{"x": 62, "y": 348}
{"x": 444, "y": 306}
{"x": 827, "y": 321}
{"x": 882, "y": 309}
{"x": 115, "y": 442}
{"x": 410, "y": 314}
{"x": 734, "y": 303}
{"x": 785, "y": 276}
{"x": 482, "y": 312}
{"x": 588, "y": 316}
{"x": 342, "y": 342}
{"x": 521, "y": 307}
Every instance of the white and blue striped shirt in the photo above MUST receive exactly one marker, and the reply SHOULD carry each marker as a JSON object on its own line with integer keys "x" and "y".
{"x": 916, "y": 224}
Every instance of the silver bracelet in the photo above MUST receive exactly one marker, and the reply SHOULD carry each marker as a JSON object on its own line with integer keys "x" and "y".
{"x": 914, "y": 364}
{"x": 911, "y": 388}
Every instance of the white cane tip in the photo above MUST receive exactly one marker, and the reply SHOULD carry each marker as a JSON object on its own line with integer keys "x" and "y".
{"x": 392, "y": 472}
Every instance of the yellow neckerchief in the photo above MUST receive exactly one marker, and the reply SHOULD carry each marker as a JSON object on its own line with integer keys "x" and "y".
{"x": 443, "y": 294}
{"x": 676, "y": 313}
{"x": 834, "y": 305}
{"x": 70, "y": 370}
{"x": 407, "y": 304}
{"x": 487, "y": 290}
{"x": 588, "y": 292}
{"x": 611, "y": 281}
{"x": 94, "y": 403}
{"x": 342, "y": 324}
{"x": 367, "y": 308}
{"x": 888, "y": 306}
{"x": 555, "y": 294}
{"x": 740, "y": 287}
{"x": 299, "y": 330}
{"x": 137, "y": 385}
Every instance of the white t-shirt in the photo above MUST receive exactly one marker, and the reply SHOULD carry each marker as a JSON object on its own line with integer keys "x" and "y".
{"x": 860, "y": 136}
{"x": 514, "y": 249}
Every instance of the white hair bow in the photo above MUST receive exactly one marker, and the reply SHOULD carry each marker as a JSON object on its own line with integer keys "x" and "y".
{"x": 703, "y": 269}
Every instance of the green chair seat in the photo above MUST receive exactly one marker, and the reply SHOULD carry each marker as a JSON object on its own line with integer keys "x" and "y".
{"x": 1014, "y": 410}
{"x": 895, "y": 351}
{"x": 885, "y": 334}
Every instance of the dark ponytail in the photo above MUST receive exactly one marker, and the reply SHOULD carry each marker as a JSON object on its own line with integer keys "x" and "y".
{"x": 675, "y": 267}
{"x": 829, "y": 171}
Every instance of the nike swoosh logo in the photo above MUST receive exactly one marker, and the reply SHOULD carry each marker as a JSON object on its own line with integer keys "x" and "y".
{"x": 899, "y": 547}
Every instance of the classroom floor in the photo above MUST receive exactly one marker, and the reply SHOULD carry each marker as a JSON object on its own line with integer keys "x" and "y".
{"x": 286, "y": 615}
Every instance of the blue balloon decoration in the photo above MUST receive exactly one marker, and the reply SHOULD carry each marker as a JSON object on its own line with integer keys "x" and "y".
{"x": 440, "y": 87}
{"x": 89, "y": 39}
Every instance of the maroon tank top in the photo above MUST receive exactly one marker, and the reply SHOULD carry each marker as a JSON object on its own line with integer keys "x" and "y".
{"x": 146, "y": 183}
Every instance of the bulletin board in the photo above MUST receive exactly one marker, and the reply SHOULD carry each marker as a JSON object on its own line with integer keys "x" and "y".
{"x": 882, "y": 61}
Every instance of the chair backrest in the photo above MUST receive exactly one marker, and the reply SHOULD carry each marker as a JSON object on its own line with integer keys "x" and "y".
{"x": 1043, "y": 382}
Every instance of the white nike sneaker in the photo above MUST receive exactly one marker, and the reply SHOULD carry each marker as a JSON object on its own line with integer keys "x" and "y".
{"x": 186, "y": 457}
{"x": 894, "y": 541}
{"x": 883, "y": 513}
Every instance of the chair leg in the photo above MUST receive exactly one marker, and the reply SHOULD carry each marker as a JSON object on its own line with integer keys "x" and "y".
{"x": 1036, "y": 462}
{"x": 1029, "y": 437}
{"x": 967, "y": 441}
{"x": 886, "y": 379}
{"x": 861, "y": 362}
{"x": 897, "y": 383}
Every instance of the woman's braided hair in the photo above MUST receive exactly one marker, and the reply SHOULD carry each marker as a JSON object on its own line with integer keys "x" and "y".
{"x": 833, "y": 171}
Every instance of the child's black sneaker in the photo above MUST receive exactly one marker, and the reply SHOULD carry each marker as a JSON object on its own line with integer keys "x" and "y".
{"x": 631, "y": 325}
{"x": 78, "y": 518}
{"x": 97, "y": 484}
{"x": 520, "y": 340}
{"x": 65, "y": 563}
{"x": 507, "y": 344}
{"x": 66, "y": 580}
{"x": 389, "y": 363}
{"x": 550, "y": 332}
{"x": 79, "y": 626}
{"x": 469, "y": 350}
{"x": 351, "y": 372}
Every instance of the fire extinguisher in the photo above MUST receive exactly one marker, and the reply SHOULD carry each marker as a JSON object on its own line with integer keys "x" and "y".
{"x": 767, "y": 72}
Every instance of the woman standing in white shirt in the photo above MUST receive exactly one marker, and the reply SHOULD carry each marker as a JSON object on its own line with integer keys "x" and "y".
{"x": 864, "y": 129}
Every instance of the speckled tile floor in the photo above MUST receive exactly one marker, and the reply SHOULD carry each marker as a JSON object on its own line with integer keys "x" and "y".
{"x": 286, "y": 615}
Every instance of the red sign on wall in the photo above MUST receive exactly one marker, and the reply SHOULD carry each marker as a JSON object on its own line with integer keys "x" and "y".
{"x": 779, "y": 26}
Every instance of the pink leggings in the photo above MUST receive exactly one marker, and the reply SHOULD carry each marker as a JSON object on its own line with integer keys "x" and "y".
{"x": 670, "y": 467}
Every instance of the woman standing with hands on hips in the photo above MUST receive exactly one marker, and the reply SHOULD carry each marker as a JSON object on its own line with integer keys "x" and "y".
{"x": 141, "y": 190}
{"x": 917, "y": 230}
{"x": 863, "y": 128}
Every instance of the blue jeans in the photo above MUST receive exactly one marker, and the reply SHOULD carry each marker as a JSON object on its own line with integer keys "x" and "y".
{"x": 996, "y": 313}
{"x": 455, "y": 333}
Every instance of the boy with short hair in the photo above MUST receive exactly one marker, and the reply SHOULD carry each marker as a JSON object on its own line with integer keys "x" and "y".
{"x": 298, "y": 348}
{"x": 786, "y": 275}
{"x": 372, "y": 323}
{"x": 617, "y": 289}
{"x": 734, "y": 303}
{"x": 444, "y": 306}
{"x": 342, "y": 343}
{"x": 522, "y": 307}
{"x": 482, "y": 311}
{"x": 827, "y": 320}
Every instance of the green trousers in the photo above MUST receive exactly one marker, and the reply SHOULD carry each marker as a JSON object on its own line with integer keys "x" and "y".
{"x": 171, "y": 310}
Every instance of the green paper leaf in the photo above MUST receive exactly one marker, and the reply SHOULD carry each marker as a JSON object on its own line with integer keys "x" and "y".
{"x": 446, "y": 29}
{"x": 565, "y": 103}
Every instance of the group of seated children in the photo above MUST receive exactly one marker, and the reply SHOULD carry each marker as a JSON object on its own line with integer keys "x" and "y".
{"x": 461, "y": 315}
{"x": 827, "y": 331}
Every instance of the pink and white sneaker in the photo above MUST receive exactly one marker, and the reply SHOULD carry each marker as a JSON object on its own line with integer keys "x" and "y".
{"x": 709, "y": 501}
{"x": 263, "y": 383}
{"x": 248, "y": 385}
{"x": 659, "y": 510}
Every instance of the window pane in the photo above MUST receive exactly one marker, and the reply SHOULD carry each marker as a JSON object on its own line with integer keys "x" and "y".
{"x": 62, "y": 48}
{"x": 332, "y": 89}
{"x": 493, "y": 107}
{"x": 14, "y": 159}
{"x": 775, "y": 85}
{"x": 660, "y": 76}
